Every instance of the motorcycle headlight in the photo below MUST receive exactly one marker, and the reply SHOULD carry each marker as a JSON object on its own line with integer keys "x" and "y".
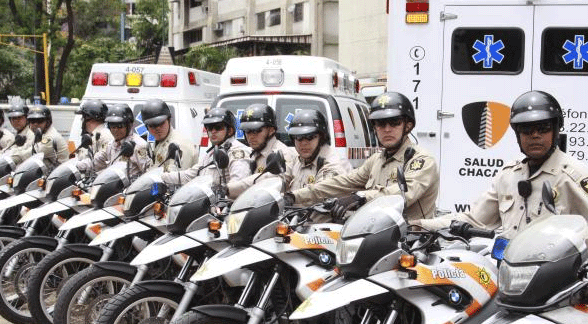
{"x": 128, "y": 201}
{"x": 234, "y": 221}
{"x": 514, "y": 280}
{"x": 94, "y": 192}
{"x": 16, "y": 179}
{"x": 172, "y": 213}
{"x": 346, "y": 250}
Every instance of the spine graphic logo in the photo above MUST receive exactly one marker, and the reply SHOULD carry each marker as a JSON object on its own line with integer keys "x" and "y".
{"x": 485, "y": 122}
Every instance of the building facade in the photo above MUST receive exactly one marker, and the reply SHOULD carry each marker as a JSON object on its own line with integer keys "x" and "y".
{"x": 257, "y": 27}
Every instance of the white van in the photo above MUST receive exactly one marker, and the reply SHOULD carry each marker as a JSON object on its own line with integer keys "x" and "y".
{"x": 464, "y": 62}
{"x": 290, "y": 83}
{"x": 188, "y": 92}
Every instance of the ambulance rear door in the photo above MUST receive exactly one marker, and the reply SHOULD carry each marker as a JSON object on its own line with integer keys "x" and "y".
{"x": 487, "y": 64}
{"x": 560, "y": 67}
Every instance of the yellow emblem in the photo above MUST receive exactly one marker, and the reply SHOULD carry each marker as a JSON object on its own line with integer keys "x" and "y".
{"x": 484, "y": 276}
{"x": 249, "y": 113}
{"x": 416, "y": 165}
{"x": 260, "y": 169}
{"x": 311, "y": 179}
{"x": 555, "y": 195}
{"x": 383, "y": 100}
{"x": 159, "y": 158}
{"x": 45, "y": 140}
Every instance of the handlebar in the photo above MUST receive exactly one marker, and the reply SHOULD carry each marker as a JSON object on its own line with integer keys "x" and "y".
{"x": 468, "y": 231}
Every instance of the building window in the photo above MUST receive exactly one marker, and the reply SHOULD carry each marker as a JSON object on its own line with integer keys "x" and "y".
{"x": 130, "y": 8}
{"x": 274, "y": 17}
{"x": 194, "y": 36}
{"x": 298, "y": 12}
{"x": 195, "y": 3}
{"x": 261, "y": 21}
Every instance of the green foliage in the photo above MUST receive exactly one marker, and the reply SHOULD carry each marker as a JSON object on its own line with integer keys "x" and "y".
{"x": 16, "y": 73}
{"x": 150, "y": 26}
{"x": 212, "y": 59}
{"x": 97, "y": 18}
{"x": 83, "y": 56}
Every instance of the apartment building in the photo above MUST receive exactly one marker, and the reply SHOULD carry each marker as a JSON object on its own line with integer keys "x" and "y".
{"x": 258, "y": 27}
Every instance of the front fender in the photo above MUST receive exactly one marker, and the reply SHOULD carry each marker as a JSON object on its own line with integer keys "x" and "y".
{"x": 17, "y": 200}
{"x": 84, "y": 249}
{"x": 334, "y": 294}
{"x": 167, "y": 245}
{"x": 7, "y": 230}
{"x": 46, "y": 210}
{"x": 119, "y": 231}
{"x": 49, "y": 242}
{"x": 117, "y": 266}
{"x": 227, "y": 260}
{"x": 91, "y": 216}
{"x": 170, "y": 287}
{"x": 223, "y": 311}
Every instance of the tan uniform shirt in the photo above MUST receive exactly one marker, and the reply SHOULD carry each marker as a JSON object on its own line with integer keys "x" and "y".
{"x": 258, "y": 166}
{"x": 53, "y": 146}
{"x": 239, "y": 165}
{"x": 6, "y": 139}
{"x": 139, "y": 161}
{"x": 300, "y": 174}
{"x": 503, "y": 208}
{"x": 101, "y": 137}
{"x": 21, "y": 153}
{"x": 189, "y": 155}
{"x": 377, "y": 177}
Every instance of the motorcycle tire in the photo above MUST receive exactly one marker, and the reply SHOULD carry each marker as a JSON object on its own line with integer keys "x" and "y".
{"x": 48, "y": 278}
{"x": 197, "y": 318}
{"x": 68, "y": 310}
{"x": 121, "y": 306}
{"x": 13, "y": 299}
{"x": 7, "y": 237}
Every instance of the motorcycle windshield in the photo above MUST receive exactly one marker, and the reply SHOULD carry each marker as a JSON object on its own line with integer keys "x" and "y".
{"x": 196, "y": 189}
{"x": 32, "y": 162}
{"x": 115, "y": 172}
{"x": 548, "y": 240}
{"x": 145, "y": 181}
{"x": 64, "y": 170}
{"x": 260, "y": 194}
{"x": 375, "y": 216}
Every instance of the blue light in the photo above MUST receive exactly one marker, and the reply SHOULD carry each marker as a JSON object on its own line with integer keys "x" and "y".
{"x": 154, "y": 189}
{"x": 499, "y": 246}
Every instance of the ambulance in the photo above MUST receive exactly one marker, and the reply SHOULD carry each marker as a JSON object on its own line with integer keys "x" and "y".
{"x": 464, "y": 62}
{"x": 188, "y": 92}
{"x": 291, "y": 83}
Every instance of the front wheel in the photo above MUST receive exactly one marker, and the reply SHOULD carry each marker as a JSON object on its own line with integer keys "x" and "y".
{"x": 16, "y": 263}
{"x": 85, "y": 294}
{"x": 197, "y": 318}
{"x": 140, "y": 305}
{"x": 48, "y": 278}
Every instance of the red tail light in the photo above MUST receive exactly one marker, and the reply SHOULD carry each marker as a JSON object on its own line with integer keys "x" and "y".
{"x": 204, "y": 138}
{"x": 335, "y": 80}
{"x": 357, "y": 86}
{"x": 99, "y": 79}
{"x": 169, "y": 80}
{"x": 238, "y": 80}
{"x": 306, "y": 80}
{"x": 339, "y": 130}
{"x": 192, "y": 78}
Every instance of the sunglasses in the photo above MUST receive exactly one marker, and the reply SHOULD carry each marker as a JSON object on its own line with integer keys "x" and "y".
{"x": 36, "y": 121}
{"x": 529, "y": 129}
{"x": 307, "y": 137}
{"x": 393, "y": 122}
{"x": 155, "y": 125}
{"x": 253, "y": 131}
{"x": 116, "y": 126}
{"x": 216, "y": 127}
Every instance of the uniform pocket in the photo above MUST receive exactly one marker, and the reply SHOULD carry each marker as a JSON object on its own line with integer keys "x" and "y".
{"x": 505, "y": 204}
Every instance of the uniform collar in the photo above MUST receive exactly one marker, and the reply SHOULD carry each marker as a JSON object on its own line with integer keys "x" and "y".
{"x": 24, "y": 131}
{"x": 551, "y": 165}
{"x": 399, "y": 155}
{"x": 269, "y": 148}
{"x": 323, "y": 151}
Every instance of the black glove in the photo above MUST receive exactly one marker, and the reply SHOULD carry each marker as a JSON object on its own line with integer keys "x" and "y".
{"x": 289, "y": 199}
{"x": 351, "y": 202}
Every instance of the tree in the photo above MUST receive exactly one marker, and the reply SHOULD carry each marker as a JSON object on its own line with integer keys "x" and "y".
{"x": 150, "y": 26}
{"x": 212, "y": 59}
{"x": 16, "y": 73}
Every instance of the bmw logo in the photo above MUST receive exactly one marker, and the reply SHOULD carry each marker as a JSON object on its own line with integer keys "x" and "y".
{"x": 454, "y": 296}
{"x": 325, "y": 258}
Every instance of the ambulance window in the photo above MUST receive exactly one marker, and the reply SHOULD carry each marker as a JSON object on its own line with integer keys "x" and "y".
{"x": 563, "y": 51}
{"x": 285, "y": 110}
{"x": 370, "y": 138}
{"x": 487, "y": 50}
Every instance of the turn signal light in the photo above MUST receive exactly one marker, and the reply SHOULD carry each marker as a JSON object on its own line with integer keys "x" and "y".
{"x": 41, "y": 183}
{"x": 282, "y": 229}
{"x": 121, "y": 200}
{"x": 214, "y": 225}
{"x": 10, "y": 181}
{"x": 77, "y": 192}
{"x": 407, "y": 261}
{"x": 158, "y": 209}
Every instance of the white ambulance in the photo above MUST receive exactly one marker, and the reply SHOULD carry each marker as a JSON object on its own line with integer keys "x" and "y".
{"x": 290, "y": 83}
{"x": 464, "y": 62}
{"x": 188, "y": 92}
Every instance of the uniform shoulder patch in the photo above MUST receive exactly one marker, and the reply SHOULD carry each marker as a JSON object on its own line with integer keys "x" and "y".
{"x": 237, "y": 154}
{"x": 416, "y": 164}
{"x": 142, "y": 153}
{"x": 584, "y": 184}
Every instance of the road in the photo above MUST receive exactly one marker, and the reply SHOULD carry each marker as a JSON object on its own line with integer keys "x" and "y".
{"x": 3, "y": 321}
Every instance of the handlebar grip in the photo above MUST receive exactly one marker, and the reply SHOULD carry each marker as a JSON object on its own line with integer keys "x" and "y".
{"x": 478, "y": 232}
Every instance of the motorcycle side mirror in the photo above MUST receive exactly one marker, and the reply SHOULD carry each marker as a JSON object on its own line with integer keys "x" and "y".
{"x": 86, "y": 140}
{"x": 275, "y": 163}
{"x": 127, "y": 149}
{"x": 547, "y": 197}
{"x": 221, "y": 158}
{"x": 173, "y": 153}
{"x": 38, "y": 135}
{"x": 19, "y": 140}
{"x": 401, "y": 179}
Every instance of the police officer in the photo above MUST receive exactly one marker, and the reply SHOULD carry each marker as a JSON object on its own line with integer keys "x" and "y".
{"x": 93, "y": 114}
{"x": 157, "y": 117}
{"x": 51, "y": 143}
{"x": 220, "y": 126}
{"x": 6, "y": 137}
{"x": 17, "y": 115}
{"x": 258, "y": 122}
{"x": 536, "y": 118}
{"x": 392, "y": 116}
{"x": 120, "y": 122}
